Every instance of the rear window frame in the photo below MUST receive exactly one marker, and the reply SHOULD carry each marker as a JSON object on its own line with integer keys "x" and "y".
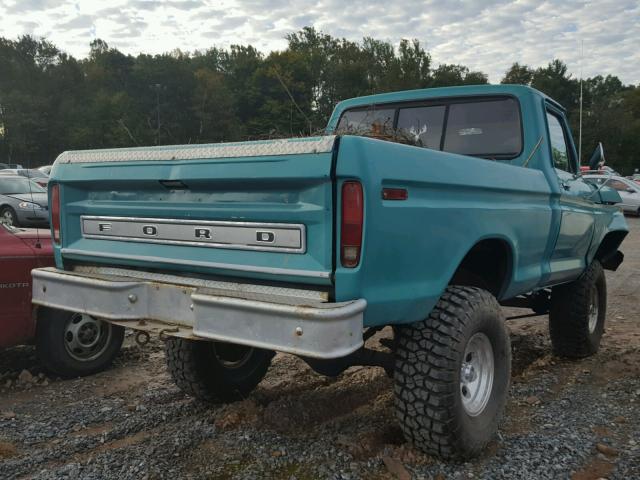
{"x": 446, "y": 101}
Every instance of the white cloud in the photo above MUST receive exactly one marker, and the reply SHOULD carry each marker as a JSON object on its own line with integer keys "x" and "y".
{"x": 484, "y": 35}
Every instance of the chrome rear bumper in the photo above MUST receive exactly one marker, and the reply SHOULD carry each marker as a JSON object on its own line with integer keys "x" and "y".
{"x": 295, "y": 321}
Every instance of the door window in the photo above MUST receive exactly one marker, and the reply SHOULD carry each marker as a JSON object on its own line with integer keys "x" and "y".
{"x": 559, "y": 148}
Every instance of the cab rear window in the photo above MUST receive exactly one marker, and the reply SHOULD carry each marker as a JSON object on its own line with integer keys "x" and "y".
{"x": 482, "y": 127}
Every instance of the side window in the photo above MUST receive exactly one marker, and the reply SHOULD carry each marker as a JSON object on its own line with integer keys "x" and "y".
{"x": 559, "y": 148}
{"x": 423, "y": 123}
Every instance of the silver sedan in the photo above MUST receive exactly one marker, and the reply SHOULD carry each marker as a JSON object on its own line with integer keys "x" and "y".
{"x": 23, "y": 202}
{"x": 628, "y": 189}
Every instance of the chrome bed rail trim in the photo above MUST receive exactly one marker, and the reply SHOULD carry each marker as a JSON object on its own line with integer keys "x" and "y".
{"x": 259, "y": 148}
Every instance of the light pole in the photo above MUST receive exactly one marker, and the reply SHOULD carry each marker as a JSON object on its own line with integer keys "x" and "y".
{"x": 157, "y": 87}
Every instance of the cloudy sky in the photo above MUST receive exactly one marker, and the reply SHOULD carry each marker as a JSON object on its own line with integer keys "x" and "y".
{"x": 487, "y": 35}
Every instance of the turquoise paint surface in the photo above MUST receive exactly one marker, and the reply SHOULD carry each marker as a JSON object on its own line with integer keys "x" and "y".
{"x": 410, "y": 248}
{"x": 283, "y": 189}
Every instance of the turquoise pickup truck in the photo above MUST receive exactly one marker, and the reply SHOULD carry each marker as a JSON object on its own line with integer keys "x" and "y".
{"x": 231, "y": 252}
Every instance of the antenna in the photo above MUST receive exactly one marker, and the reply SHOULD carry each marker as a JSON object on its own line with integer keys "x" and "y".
{"x": 277, "y": 74}
{"x": 580, "y": 127}
{"x": 38, "y": 244}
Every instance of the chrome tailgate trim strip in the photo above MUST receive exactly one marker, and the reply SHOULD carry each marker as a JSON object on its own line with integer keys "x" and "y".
{"x": 255, "y": 236}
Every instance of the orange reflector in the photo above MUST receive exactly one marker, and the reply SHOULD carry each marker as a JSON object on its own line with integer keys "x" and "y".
{"x": 395, "y": 194}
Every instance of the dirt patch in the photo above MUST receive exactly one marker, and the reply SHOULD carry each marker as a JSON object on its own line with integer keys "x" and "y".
{"x": 595, "y": 469}
{"x": 7, "y": 450}
{"x": 94, "y": 430}
{"x": 304, "y": 410}
{"x": 245, "y": 412}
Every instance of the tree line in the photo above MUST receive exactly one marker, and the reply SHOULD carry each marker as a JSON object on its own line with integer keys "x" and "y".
{"x": 51, "y": 101}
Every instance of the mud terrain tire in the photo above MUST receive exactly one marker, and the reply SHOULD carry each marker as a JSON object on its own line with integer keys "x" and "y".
{"x": 578, "y": 312}
{"x": 215, "y": 371}
{"x": 439, "y": 409}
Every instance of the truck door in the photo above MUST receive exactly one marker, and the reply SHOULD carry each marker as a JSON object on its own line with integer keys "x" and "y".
{"x": 576, "y": 206}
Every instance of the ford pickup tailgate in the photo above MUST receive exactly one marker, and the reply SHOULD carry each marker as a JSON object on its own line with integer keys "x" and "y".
{"x": 253, "y": 209}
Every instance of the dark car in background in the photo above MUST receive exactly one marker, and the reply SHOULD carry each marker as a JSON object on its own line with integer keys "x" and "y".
{"x": 23, "y": 202}
{"x": 9, "y": 165}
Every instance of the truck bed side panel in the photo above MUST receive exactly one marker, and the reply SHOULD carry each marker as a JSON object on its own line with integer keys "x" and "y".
{"x": 412, "y": 248}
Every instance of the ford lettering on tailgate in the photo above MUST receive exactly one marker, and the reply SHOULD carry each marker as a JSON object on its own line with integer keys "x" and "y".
{"x": 271, "y": 237}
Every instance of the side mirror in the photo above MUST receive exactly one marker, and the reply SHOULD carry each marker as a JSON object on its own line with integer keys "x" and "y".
{"x": 597, "y": 158}
{"x": 609, "y": 196}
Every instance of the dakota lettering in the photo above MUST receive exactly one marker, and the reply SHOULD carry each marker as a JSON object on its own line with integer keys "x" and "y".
{"x": 14, "y": 285}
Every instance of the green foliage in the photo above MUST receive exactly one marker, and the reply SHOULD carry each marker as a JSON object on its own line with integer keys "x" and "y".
{"x": 451, "y": 75}
{"x": 51, "y": 102}
{"x": 611, "y": 110}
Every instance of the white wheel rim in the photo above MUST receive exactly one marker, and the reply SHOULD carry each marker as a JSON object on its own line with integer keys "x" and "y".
{"x": 7, "y": 217}
{"x": 476, "y": 374}
{"x": 593, "y": 310}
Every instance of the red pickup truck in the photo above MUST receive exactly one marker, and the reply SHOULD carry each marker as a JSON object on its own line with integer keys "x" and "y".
{"x": 68, "y": 344}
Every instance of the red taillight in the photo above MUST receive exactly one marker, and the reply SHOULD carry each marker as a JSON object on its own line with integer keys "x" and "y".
{"x": 54, "y": 206}
{"x": 351, "y": 229}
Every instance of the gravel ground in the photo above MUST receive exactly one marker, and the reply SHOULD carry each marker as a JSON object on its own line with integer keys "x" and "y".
{"x": 565, "y": 419}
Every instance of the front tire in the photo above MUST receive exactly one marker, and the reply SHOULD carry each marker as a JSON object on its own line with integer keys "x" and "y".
{"x": 452, "y": 374}
{"x": 9, "y": 217}
{"x": 216, "y": 371}
{"x": 578, "y": 313}
{"x": 72, "y": 344}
